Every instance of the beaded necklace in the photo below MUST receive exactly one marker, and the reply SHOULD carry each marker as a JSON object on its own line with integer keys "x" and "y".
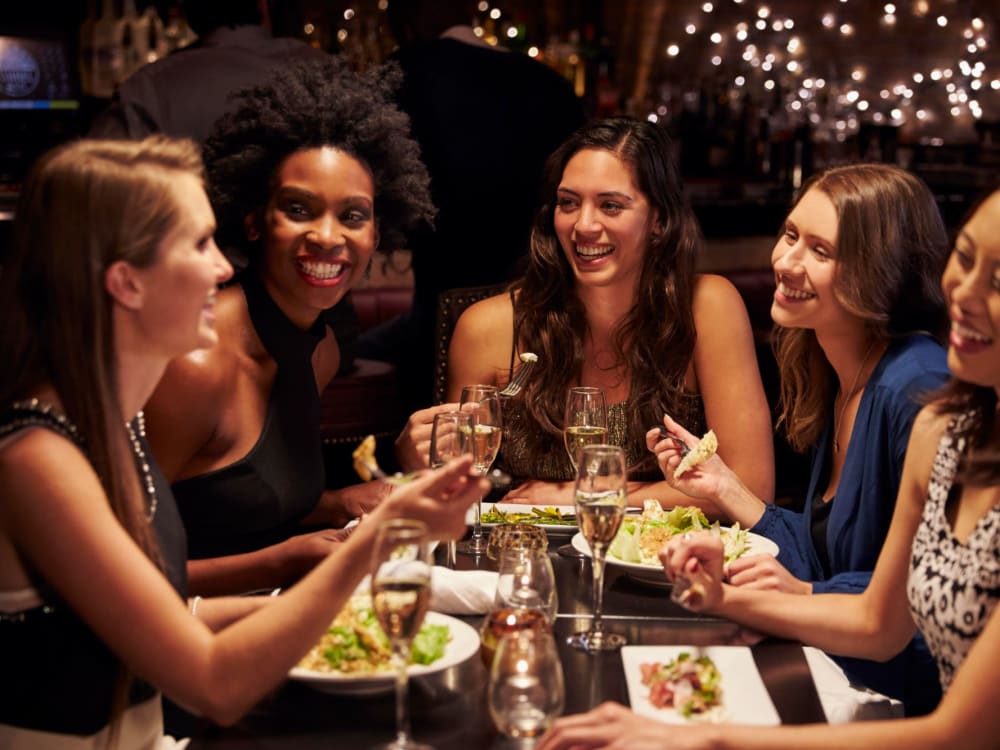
{"x": 141, "y": 462}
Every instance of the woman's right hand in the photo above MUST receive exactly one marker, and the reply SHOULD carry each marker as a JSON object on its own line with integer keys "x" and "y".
{"x": 698, "y": 558}
{"x": 704, "y": 480}
{"x": 438, "y": 497}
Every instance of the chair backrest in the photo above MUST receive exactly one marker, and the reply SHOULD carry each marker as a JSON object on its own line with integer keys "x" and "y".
{"x": 451, "y": 304}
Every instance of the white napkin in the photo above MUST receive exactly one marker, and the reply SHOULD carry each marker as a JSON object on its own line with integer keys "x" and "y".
{"x": 842, "y": 701}
{"x": 462, "y": 592}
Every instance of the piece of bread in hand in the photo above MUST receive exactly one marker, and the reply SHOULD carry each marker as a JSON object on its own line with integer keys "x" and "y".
{"x": 703, "y": 451}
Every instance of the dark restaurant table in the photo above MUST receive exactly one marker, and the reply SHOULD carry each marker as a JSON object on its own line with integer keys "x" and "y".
{"x": 448, "y": 709}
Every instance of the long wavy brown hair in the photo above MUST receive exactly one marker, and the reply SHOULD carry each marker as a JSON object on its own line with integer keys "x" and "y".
{"x": 656, "y": 338}
{"x": 891, "y": 250}
{"x": 85, "y": 206}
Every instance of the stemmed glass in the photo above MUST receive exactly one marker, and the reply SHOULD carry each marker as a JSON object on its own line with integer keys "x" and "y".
{"x": 600, "y": 506}
{"x": 451, "y": 434}
{"x": 525, "y": 598}
{"x": 586, "y": 420}
{"x": 400, "y": 585}
{"x": 484, "y": 401}
{"x": 585, "y": 423}
{"x": 525, "y": 692}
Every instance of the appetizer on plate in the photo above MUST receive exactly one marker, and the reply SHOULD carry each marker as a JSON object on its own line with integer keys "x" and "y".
{"x": 549, "y": 515}
{"x": 639, "y": 539}
{"x": 355, "y": 644}
{"x": 691, "y": 686}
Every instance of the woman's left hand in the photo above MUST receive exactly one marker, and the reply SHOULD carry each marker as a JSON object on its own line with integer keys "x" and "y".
{"x": 764, "y": 573}
{"x": 535, "y": 492}
{"x": 615, "y": 727}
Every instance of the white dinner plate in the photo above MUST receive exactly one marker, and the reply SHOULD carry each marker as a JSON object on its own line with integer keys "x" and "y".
{"x": 745, "y": 700}
{"x": 555, "y": 529}
{"x": 653, "y": 574}
{"x": 463, "y": 644}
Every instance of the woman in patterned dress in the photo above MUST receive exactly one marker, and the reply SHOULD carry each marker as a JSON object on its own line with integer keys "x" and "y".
{"x": 939, "y": 570}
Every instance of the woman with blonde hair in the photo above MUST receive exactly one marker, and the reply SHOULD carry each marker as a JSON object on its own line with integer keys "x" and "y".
{"x": 114, "y": 273}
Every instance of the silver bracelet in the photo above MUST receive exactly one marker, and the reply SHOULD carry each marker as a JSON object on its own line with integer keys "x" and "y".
{"x": 194, "y": 606}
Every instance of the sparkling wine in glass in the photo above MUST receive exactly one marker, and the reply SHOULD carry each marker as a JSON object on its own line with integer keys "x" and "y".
{"x": 586, "y": 421}
{"x": 525, "y": 692}
{"x": 400, "y": 586}
{"x": 450, "y": 438}
{"x": 600, "y": 506}
{"x": 483, "y": 403}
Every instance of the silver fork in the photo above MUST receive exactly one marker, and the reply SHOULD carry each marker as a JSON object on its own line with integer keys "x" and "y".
{"x": 684, "y": 447}
{"x": 528, "y": 362}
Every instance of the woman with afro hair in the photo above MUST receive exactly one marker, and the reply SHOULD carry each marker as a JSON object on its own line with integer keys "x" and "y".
{"x": 309, "y": 174}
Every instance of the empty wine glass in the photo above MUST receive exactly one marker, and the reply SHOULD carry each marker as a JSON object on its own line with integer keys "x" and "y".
{"x": 451, "y": 434}
{"x": 600, "y": 506}
{"x": 483, "y": 403}
{"x": 525, "y": 692}
{"x": 586, "y": 420}
{"x": 525, "y": 598}
{"x": 400, "y": 585}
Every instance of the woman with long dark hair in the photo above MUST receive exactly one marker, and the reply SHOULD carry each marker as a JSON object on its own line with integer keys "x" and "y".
{"x": 610, "y": 299}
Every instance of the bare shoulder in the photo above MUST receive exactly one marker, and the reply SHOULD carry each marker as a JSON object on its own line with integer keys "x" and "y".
{"x": 488, "y": 316}
{"x": 921, "y": 450}
{"x": 481, "y": 343}
{"x": 928, "y": 428}
{"x": 715, "y": 296}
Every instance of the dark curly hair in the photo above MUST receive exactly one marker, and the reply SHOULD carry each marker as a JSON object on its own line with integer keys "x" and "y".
{"x": 311, "y": 105}
{"x": 549, "y": 317}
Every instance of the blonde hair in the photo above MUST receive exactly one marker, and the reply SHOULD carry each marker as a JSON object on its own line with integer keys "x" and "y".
{"x": 84, "y": 206}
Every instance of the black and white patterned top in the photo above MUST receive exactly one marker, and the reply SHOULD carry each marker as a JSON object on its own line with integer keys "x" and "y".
{"x": 953, "y": 587}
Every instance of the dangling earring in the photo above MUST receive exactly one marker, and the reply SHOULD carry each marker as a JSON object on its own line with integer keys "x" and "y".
{"x": 253, "y": 234}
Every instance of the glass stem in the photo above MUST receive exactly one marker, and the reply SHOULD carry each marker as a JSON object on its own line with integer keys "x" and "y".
{"x": 597, "y": 563}
{"x": 477, "y": 527}
{"x": 400, "y": 654}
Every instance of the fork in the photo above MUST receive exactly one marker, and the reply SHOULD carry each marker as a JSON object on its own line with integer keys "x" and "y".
{"x": 528, "y": 362}
{"x": 684, "y": 447}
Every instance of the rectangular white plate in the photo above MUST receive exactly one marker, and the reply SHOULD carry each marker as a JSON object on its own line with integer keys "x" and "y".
{"x": 744, "y": 698}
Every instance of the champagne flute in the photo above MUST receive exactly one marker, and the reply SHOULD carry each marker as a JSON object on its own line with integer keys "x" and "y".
{"x": 487, "y": 429}
{"x": 586, "y": 421}
{"x": 450, "y": 438}
{"x": 400, "y": 584}
{"x": 525, "y": 692}
{"x": 600, "y": 506}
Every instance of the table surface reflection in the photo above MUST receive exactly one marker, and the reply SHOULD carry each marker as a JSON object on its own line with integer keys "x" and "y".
{"x": 448, "y": 709}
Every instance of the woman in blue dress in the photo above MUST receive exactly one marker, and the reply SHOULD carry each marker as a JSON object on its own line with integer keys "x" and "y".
{"x": 939, "y": 570}
{"x": 858, "y": 312}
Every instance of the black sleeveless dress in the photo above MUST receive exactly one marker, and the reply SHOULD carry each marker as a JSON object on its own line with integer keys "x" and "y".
{"x": 259, "y": 500}
{"x": 58, "y": 676}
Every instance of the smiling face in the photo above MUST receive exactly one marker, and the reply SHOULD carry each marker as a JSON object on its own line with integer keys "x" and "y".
{"x": 804, "y": 261}
{"x": 319, "y": 231}
{"x": 181, "y": 282}
{"x": 602, "y": 219}
{"x": 971, "y": 284}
